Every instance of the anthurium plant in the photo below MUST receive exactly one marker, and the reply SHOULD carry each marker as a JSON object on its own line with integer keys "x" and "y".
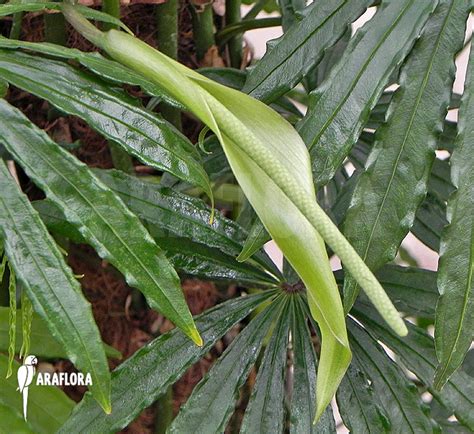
{"x": 370, "y": 159}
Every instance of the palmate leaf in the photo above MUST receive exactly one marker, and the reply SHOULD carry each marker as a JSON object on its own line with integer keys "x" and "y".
{"x": 48, "y": 406}
{"x": 301, "y": 48}
{"x": 454, "y": 323}
{"x": 51, "y": 285}
{"x": 137, "y": 382}
{"x": 417, "y": 353}
{"x": 99, "y": 215}
{"x": 388, "y": 193}
{"x": 212, "y": 402}
{"x": 342, "y": 104}
{"x": 109, "y": 111}
{"x": 265, "y": 411}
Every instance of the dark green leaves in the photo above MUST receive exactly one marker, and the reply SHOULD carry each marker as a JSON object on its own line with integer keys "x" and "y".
{"x": 109, "y": 111}
{"x": 140, "y": 380}
{"x": 51, "y": 286}
{"x": 455, "y": 311}
{"x": 394, "y": 183}
{"x": 342, "y": 104}
{"x": 301, "y": 48}
{"x": 100, "y": 216}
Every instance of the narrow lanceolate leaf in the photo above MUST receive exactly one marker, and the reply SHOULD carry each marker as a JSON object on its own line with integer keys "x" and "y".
{"x": 417, "y": 352}
{"x": 455, "y": 311}
{"x": 100, "y": 216}
{"x": 358, "y": 405}
{"x": 277, "y": 181}
{"x": 301, "y": 48}
{"x": 397, "y": 395}
{"x": 266, "y": 409}
{"x": 304, "y": 380}
{"x": 389, "y": 192}
{"x": 48, "y": 406}
{"x": 136, "y": 383}
{"x": 93, "y": 61}
{"x": 212, "y": 402}
{"x": 109, "y": 111}
{"x": 179, "y": 215}
{"x": 51, "y": 286}
{"x": 342, "y": 104}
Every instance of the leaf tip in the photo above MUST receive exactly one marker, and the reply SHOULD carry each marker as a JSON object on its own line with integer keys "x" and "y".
{"x": 196, "y": 337}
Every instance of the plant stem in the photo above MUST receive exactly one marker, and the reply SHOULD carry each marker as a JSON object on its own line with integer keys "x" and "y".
{"x": 203, "y": 29}
{"x": 232, "y": 16}
{"x": 167, "y": 36}
{"x": 256, "y": 9}
{"x": 164, "y": 412}
{"x": 231, "y": 30}
{"x": 55, "y": 29}
{"x": 120, "y": 158}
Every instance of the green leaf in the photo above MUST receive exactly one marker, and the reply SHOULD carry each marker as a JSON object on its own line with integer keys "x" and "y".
{"x": 301, "y": 48}
{"x": 454, "y": 323}
{"x": 13, "y": 422}
{"x": 55, "y": 294}
{"x": 48, "y": 406}
{"x": 11, "y": 316}
{"x": 388, "y": 193}
{"x": 417, "y": 353}
{"x": 358, "y": 405}
{"x": 11, "y": 8}
{"x": 105, "y": 68}
{"x": 430, "y": 222}
{"x": 396, "y": 394}
{"x": 257, "y": 237}
{"x": 212, "y": 402}
{"x": 109, "y": 111}
{"x": 265, "y": 411}
{"x": 100, "y": 216}
{"x": 342, "y": 104}
{"x": 43, "y": 344}
{"x": 304, "y": 380}
{"x": 137, "y": 382}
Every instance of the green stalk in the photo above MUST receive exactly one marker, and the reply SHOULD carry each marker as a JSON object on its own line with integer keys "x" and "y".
{"x": 232, "y": 16}
{"x": 231, "y": 30}
{"x": 256, "y": 9}
{"x": 203, "y": 29}
{"x": 55, "y": 29}
{"x": 167, "y": 36}
{"x": 164, "y": 412}
{"x": 120, "y": 158}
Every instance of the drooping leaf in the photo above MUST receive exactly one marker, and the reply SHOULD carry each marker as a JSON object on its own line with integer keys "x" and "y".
{"x": 137, "y": 382}
{"x": 100, "y": 216}
{"x": 51, "y": 286}
{"x": 265, "y": 411}
{"x": 395, "y": 393}
{"x": 212, "y": 402}
{"x": 26, "y": 322}
{"x": 109, "y": 111}
{"x": 301, "y": 48}
{"x": 304, "y": 380}
{"x": 388, "y": 193}
{"x": 342, "y": 104}
{"x": 12, "y": 314}
{"x": 454, "y": 323}
{"x": 95, "y": 62}
{"x": 418, "y": 354}
{"x": 48, "y": 406}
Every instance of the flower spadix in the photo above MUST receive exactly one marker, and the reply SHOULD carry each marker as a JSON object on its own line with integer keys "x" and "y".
{"x": 272, "y": 165}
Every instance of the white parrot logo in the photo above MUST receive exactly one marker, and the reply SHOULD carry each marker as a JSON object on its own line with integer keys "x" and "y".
{"x": 25, "y": 376}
